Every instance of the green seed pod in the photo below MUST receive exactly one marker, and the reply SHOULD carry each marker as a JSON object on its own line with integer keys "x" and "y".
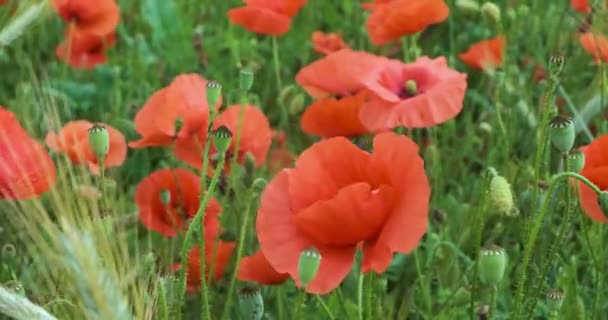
{"x": 556, "y": 65}
{"x": 297, "y": 104}
{"x": 467, "y": 7}
{"x": 245, "y": 80}
{"x": 577, "y": 161}
{"x": 501, "y": 197}
{"x": 99, "y": 141}
{"x": 251, "y": 303}
{"x": 222, "y": 138}
{"x": 491, "y": 12}
{"x": 602, "y": 199}
{"x": 165, "y": 196}
{"x": 411, "y": 87}
{"x": 492, "y": 265}
{"x": 308, "y": 265}
{"x": 214, "y": 91}
{"x": 562, "y": 133}
{"x": 555, "y": 299}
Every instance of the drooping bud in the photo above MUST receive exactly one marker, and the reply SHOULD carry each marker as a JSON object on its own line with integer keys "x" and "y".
{"x": 562, "y": 133}
{"x": 602, "y": 199}
{"x": 297, "y": 104}
{"x": 308, "y": 265}
{"x": 99, "y": 141}
{"x": 501, "y": 196}
{"x": 245, "y": 80}
{"x": 492, "y": 264}
{"x": 411, "y": 87}
{"x": 222, "y": 138}
{"x": 467, "y": 7}
{"x": 576, "y": 159}
{"x": 251, "y": 303}
{"x": 165, "y": 196}
{"x": 491, "y": 12}
{"x": 556, "y": 65}
{"x": 214, "y": 91}
{"x": 555, "y": 299}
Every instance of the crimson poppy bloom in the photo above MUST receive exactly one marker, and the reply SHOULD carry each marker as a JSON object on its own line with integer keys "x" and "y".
{"x": 223, "y": 252}
{"x": 338, "y": 81}
{"x": 391, "y": 20}
{"x": 97, "y": 18}
{"x": 26, "y": 169}
{"x": 182, "y": 189}
{"x": 269, "y": 17}
{"x": 85, "y": 51}
{"x": 596, "y": 45}
{"x": 256, "y": 268}
{"x": 415, "y": 95}
{"x": 183, "y": 101}
{"x": 326, "y": 43}
{"x": 339, "y": 197}
{"x": 485, "y": 55}
{"x": 72, "y": 140}
{"x": 255, "y": 139}
{"x": 596, "y": 170}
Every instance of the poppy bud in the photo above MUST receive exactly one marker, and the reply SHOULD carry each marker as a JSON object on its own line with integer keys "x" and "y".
{"x": 214, "y": 90}
{"x": 411, "y": 88}
{"x": 469, "y": 7}
{"x": 8, "y": 251}
{"x": 555, "y": 299}
{"x": 251, "y": 303}
{"x": 297, "y": 104}
{"x": 222, "y": 138}
{"x": 562, "y": 133}
{"x": 491, "y": 12}
{"x": 501, "y": 197}
{"x": 165, "y": 196}
{"x": 245, "y": 80}
{"x": 485, "y": 127}
{"x": 308, "y": 265}
{"x": 556, "y": 65}
{"x": 99, "y": 141}
{"x": 492, "y": 264}
{"x": 602, "y": 199}
{"x": 577, "y": 161}
{"x": 258, "y": 185}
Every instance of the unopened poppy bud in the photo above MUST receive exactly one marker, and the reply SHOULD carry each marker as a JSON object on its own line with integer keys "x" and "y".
{"x": 8, "y": 251}
{"x": 468, "y": 7}
{"x": 491, "y": 12}
{"x": 222, "y": 138}
{"x": 562, "y": 133}
{"x": 556, "y": 65}
{"x": 251, "y": 303}
{"x": 297, "y": 104}
{"x": 308, "y": 265}
{"x": 165, "y": 196}
{"x": 214, "y": 91}
{"x": 258, "y": 185}
{"x": 501, "y": 196}
{"x": 99, "y": 141}
{"x": 577, "y": 161}
{"x": 492, "y": 264}
{"x": 602, "y": 199}
{"x": 411, "y": 87}
{"x": 245, "y": 80}
{"x": 555, "y": 299}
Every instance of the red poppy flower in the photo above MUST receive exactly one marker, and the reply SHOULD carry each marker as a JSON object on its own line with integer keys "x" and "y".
{"x": 73, "y": 140}
{"x": 391, "y": 20}
{"x": 256, "y": 268}
{"x": 338, "y": 197}
{"x": 486, "y": 54}
{"x": 26, "y": 170}
{"x": 415, "y": 95}
{"x": 255, "y": 138}
{"x": 595, "y": 45}
{"x": 581, "y": 6}
{"x": 183, "y": 189}
{"x": 185, "y": 99}
{"x": 370, "y": 6}
{"x": 596, "y": 170}
{"x": 270, "y": 17}
{"x": 326, "y": 43}
{"x": 83, "y": 50}
{"x": 222, "y": 253}
{"x": 98, "y": 17}
{"x": 338, "y": 81}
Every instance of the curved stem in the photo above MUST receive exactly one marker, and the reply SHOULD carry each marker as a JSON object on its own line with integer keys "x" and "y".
{"x": 325, "y": 307}
{"x": 360, "y": 296}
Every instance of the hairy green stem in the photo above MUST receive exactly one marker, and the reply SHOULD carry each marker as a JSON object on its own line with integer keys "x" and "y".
{"x": 299, "y": 302}
{"x": 369, "y": 291}
{"x": 360, "y": 296}
{"x": 279, "y": 82}
{"x": 325, "y": 307}
{"x": 479, "y": 225}
{"x": 492, "y": 301}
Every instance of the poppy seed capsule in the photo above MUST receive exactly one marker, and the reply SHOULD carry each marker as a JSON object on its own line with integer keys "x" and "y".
{"x": 491, "y": 12}
{"x": 492, "y": 265}
{"x": 562, "y": 133}
{"x": 411, "y": 87}
{"x": 99, "y": 141}
{"x": 251, "y": 303}
{"x": 602, "y": 199}
{"x": 222, "y": 138}
{"x": 577, "y": 161}
{"x": 501, "y": 196}
{"x": 308, "y": 265}
{"x": 468, "y": 7}
{"x": 165, "y": 196}
{"x": 214, "y": 91}
{"x": 555, "y": 299}
{"x": 556, "y": 65}
{"x": 245, "y": 80}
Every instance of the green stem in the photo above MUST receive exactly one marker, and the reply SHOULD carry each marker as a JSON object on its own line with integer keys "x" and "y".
{"x": 492, "y": 302}
{"x": 360, "y": 296}
{"x": 102, "y": 185}
{"x": 299, "y": 303}
{"x": 279, "y": 82}
{"x": 369, "y": 291}
{"x": 280, "y": 311}
{"x": 479, "y": 225}
{"x": 422, "y": 281}
{"x": 325, "y": 307}
{"x": 237, "y": 136}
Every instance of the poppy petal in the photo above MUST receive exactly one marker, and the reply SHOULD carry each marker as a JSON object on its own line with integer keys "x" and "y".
{"x": 330, "y": 117}
{"x": 257, "y": 269}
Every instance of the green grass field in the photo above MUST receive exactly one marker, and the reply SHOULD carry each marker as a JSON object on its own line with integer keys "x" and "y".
{"x": 432, "y": 159}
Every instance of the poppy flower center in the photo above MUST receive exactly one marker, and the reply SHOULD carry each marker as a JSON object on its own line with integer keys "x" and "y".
{"x": 409, "y": 89}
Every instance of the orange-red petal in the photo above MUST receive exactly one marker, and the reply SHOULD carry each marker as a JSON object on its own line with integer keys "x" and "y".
{"x": 257, "y": 269}
{"x": 486, "y": 54}
{"x": 330, "y": 117}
